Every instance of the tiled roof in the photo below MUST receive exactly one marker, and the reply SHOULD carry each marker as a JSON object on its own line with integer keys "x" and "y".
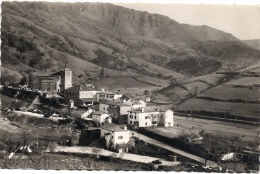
{"x": 97, "y": 112}
{"x": 79, "y": 88}
{"x": 88, "y": 99}
{"x": 121, "y": 145}
{"x": 40, "y": 74}
{"x": 114, "y": 103}
{"x": 49, "y": 80}
{"x": 112, "y": 127}
{"x": 149, "y": 109}
{"x": 109, "y": 92}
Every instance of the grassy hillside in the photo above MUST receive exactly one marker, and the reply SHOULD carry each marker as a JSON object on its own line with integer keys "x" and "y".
{"x": 39, "y": 36}
{"x": 235, "y": 97}
{"x": 253, "y": 43}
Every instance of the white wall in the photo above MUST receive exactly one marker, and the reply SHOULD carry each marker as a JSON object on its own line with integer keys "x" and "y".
{"x": 146, "y": 122}
{"x": 103, "y": 108}
{"x": 168, "y": 120}
{"x": 103, "y": 132}
{"x": 108, "y": 96}
{"x": 124, "y": 134}
{"x": 99, "y": 118}
{"x": 87, "y": 94}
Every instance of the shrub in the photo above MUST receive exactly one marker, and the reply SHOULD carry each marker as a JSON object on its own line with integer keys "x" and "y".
{"x": 156, "y": 162}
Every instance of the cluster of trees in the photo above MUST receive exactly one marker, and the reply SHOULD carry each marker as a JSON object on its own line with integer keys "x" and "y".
{"x": 9, "y": 79}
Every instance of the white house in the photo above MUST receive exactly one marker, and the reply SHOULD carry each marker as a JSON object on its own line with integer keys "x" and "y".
{"x": 101, "y": 118}
{"x": 116, "y": 136}
{"x": 118, "y": 109}
{"x": 81, "y": 95}
{"x": 150, "y": 116}
{"x": 108, "y": 95}
{"x": 86, "y": 115}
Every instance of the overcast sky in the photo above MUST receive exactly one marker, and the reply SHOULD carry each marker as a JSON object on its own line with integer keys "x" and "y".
{"x": 240, "y": 20}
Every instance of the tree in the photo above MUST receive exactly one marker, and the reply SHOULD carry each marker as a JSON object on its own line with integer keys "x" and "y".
{"x": 147, "y": 92}
{"x": 26, "y": 138}
{"x": 102, "y": 73}
{"x": 23, "y": 81}
{"x": 159, "y": 75}
{"x": 196, "y": 91}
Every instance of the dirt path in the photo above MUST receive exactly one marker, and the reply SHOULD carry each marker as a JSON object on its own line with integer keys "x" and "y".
{"x": 172, "y": 149}
{"x": 126, "y": 156}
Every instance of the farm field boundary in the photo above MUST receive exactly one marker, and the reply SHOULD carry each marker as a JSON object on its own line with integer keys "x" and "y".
{"x": 217, "y": 118}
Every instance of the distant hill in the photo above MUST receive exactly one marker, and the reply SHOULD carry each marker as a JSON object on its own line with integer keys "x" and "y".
{"x": 255, "y": 43}
{"x": 41, "y": 36}
{"x": 205, "y": 33}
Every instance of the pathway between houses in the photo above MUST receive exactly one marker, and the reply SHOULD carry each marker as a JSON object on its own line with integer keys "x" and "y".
{"x": 125, "y": 156}
{"x": 172, "y": 149}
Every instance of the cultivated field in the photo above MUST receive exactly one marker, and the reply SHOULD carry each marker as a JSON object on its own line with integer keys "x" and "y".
{"x": 199, "y": 85}
{"x": 244, "y": 81}
{"x": 241, "y": 110}
{"x": 211, "y": 79}
{"x": 131, "y": 85}
{"x": 176, "y": 93}
{"x": 152, "y": 81}
{"x": 188, "y": 126}
{"x": 228, "y": 93}
{"x": 152, "y": 68}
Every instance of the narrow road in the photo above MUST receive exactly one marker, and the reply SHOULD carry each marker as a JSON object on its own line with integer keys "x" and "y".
{"x": 126, "y": 156}
{"x": 175, "y": 150}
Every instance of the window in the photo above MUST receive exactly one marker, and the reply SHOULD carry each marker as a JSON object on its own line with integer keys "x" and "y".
{"x": 135, "y": 117}
{"x": 104, "y": 108}
{"x": 131, "y": 122}
{"x": 112, "y": 137}
{"x": 154, "y": 122}
{"x": 107, "y": 109}
{"x": 120, "y": 137}
{"x": 131, "y": 116}
{"x": 146, "y": 123}
{"x": 147, "y": 117}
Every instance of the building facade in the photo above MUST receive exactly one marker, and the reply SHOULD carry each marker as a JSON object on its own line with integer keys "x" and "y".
{"x": 108, "y": 95}
{"x": 81, "y": 95}
{"x": 118, "y": 109}
{"x": 51, "y": 82}
{"x": 150, "y": 116}
{"x": 116, "y": 136}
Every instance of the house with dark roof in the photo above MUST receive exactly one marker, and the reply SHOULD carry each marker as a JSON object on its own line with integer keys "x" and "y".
{"x": 116, "y": 137}
{"x": 57, "y": 81}
{"x": 101, "y": 118}
{"x": 150, "y": 116}
{"x": 81, "y": 95}
{"x": 117, "y": 109}
{"x": 109, "y": 95}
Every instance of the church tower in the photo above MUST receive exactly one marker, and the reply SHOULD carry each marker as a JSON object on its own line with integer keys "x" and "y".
{"x": 66, "y": 79}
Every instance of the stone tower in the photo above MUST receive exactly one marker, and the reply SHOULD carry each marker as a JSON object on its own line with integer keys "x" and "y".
{"x": 66, "y": 79}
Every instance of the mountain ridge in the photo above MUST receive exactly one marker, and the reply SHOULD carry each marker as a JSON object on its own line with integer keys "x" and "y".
{"x": 54, "y": 35}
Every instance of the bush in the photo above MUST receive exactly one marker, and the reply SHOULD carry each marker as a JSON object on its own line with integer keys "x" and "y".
{"x": 156, "y": 162}
{"x": 106, "y": 158}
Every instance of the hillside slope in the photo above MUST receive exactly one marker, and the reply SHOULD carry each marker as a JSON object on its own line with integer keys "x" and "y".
{"x": 88, "y": 36}
{"x": 255, "y": 43}
{"x": 205, "y": 33}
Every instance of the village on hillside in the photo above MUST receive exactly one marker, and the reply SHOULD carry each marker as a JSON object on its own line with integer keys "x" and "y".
{"x": 104, "y": 123}
{"x": 95, "y": 86}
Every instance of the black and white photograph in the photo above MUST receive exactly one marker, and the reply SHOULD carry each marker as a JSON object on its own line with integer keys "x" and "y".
{"x": 130, "y": 86}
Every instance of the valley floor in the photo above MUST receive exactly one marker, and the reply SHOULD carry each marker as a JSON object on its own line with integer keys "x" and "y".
{"x": 195, "y": 125}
